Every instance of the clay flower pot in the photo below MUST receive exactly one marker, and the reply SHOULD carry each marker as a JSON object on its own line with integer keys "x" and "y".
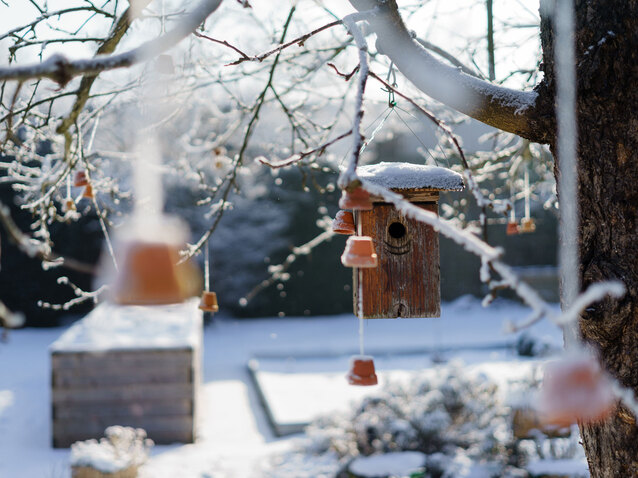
{"x": 343, "y": 223}
{"x": 69, "y": 205}
{"x": 80, "y": 179}
{"x": 362, "y": 371}
{"x": 359, "y": 252}
{"x": 527, "y": 225}
{"x": 149, "y": 275}
{"x": 88, "y": 192}
{"x": 357, "y": 199}
{"x": 208, "y": 303}
{"x": 512, "y": 228}
{"x": 575, "y": 390}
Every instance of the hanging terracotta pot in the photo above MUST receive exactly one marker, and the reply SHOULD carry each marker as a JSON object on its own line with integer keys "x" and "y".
{"x": 357, "y": 199}
{"x": 575, "y": 390}
{"x": 362, "y": 371}
{"x": 149, "y": 275}
{"x": 88, "y": 192}
{"x": 359, "y": 252}
{"x": 69, "y": 205}
{"x": 208, "y": 302}
{"x": 527, "y": 225}
{"x": 512, "y": 228}
{"x": 343, "y": 223}
{"x": 80, "y": 179}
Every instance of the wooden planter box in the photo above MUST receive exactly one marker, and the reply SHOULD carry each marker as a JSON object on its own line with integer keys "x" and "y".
{"x": 133, "y": 366}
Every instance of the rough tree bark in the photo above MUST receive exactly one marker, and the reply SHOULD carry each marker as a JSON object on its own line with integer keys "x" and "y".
{"x": 607, "y": 96}
{"x": 607, "y": 72}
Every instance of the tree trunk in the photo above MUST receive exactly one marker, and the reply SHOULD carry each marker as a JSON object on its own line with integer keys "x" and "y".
{"x": 607, "y": 71}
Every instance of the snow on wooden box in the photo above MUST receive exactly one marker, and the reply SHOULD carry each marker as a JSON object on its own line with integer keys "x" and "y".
{"x": 135, "y": 366}
{"x": 406, "y": 282}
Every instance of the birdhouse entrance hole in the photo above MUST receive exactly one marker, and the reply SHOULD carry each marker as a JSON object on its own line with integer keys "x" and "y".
{"x": 397, "y": 241}
{"x": 396, "y": 230}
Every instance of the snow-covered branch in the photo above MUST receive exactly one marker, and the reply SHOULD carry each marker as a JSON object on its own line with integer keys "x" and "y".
{"x": 348, "y": 175}
{"x": 503, "y": 108}
{"x": 61, "y": 70}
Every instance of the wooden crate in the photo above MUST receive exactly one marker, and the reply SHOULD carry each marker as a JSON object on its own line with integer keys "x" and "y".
{"x": 130, "y": 366}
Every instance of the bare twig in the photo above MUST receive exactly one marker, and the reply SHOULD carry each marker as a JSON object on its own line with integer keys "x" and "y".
{"x": 297, "y": 41}
{"x": 295, "y": 158}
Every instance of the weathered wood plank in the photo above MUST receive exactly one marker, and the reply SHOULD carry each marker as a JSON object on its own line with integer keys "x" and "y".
{"x": 406, "y": 281}
{"x": 139, "y": 408}
{"x": 121, "y": 359}
{"x": 106, "y": 376}
{"x": 97, "y": 425}
{"x": 154, "y": 391}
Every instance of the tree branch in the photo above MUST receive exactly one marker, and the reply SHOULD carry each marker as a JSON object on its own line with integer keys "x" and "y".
{"x": 510, "y": 110}
{"x": 62, "y": 70}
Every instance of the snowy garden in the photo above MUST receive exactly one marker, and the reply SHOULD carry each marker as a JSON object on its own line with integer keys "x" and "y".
{"x": 358, "y": 239}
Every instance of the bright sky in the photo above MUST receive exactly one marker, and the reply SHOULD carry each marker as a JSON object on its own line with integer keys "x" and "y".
{"x": 447, "y": 23}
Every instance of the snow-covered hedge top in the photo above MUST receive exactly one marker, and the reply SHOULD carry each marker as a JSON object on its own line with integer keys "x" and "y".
{"x": 411, "y": 176}
{"x": 116, "y": 327}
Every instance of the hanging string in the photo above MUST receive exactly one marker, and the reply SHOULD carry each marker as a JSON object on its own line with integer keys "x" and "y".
{"x": 206, "y": 267}
{"x": 415, "y": 135}
{"x": 68, "y": 186}
{"x": 513, "y": 199}
{"x": 361, "y": 352}
{"x": 527, "y": 194}
{"x": 385, "y": 112}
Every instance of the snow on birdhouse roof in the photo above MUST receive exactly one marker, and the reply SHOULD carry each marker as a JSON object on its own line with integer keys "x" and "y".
{"x": 411, "y": 176}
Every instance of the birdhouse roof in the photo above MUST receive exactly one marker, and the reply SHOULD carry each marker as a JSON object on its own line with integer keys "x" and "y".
{"x": 400, "y": 176}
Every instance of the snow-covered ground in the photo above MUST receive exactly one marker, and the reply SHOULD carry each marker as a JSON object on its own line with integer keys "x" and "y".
{"x": 235, "y": 438}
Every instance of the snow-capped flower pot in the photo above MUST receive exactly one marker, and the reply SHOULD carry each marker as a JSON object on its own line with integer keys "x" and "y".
{"x": 147, "y": 254}
{"x": 80, "y": 179}
{"x": 575, "y": 390}
{"x": 357, "y": 200}
{"x": 208, "y": 302}
{"x": 118, "y": 455}
{"x": 512, "y": 228}
{"x": 362, "y": 371}
{"x": 88, "y": 192}
{"x": 69, "y": 205}
{"x": 343, "y": 223}
{"x": 359, "y": 252}
{"x": 527, "y": 225}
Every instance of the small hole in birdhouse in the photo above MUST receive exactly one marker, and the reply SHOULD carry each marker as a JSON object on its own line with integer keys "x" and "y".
{"x": 397, "y": 230}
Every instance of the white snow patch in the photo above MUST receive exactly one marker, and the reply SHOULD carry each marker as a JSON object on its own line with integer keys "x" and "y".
{"x": 568, "y": 467}
{"x": 110, "y": 326}
{"x": 411, "y": 176}
{"x": 392, "y": 464}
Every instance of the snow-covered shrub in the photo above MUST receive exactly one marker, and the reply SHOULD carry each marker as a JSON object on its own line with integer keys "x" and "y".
{"x": 435, "y": 413}
{"x": 459, "y": 418}
{"x": 456, "y": 417}
{"x": 121, "y": 449}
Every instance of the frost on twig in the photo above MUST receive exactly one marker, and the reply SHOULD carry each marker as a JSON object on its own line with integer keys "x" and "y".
{"x": 10, "y": 319}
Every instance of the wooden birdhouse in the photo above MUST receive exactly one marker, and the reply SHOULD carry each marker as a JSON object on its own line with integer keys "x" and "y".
{"x": 406, "y": 282}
